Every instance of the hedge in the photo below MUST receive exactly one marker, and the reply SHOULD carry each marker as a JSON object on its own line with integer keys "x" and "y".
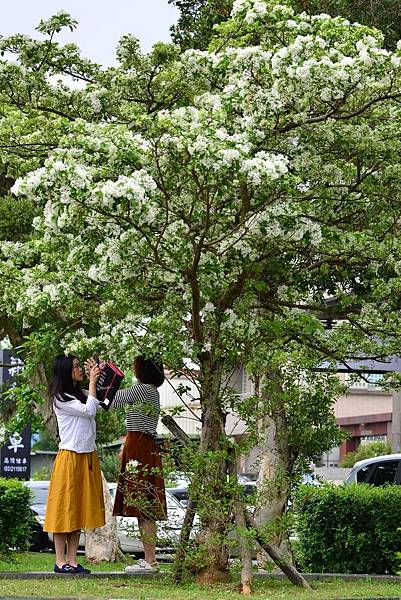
{"x": 348, "y": 529}
{"x": 16, "y": 518}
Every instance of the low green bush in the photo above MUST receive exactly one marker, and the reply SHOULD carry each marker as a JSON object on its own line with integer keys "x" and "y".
{"x": 366, "y": 451}
{"x": 16, "y": 519}
{"x": 110, "y": 463}
{"x": 348, "y": 529}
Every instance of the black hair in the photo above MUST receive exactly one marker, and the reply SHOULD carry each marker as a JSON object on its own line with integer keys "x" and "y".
{"x": 149, "y": 370}
{"x": 62, "y": 383}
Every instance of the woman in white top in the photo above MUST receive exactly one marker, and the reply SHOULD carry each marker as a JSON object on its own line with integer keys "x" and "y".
{"x": 75, "y": 499}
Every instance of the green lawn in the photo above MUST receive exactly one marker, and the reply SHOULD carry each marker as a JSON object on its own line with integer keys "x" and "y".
{"x": 44, "y": 561}
{"x": 160, "y": 587}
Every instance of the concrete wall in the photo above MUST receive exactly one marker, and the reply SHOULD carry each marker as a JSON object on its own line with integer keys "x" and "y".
{"x": 170, "y": 393}
{"x": 42, "y": 459}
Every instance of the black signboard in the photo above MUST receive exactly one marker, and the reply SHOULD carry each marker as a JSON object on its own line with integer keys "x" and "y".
{"x": 15, "y": 455}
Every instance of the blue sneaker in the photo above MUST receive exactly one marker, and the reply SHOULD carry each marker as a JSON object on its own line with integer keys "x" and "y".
{"x": 81, "y": 569}
{"x": 65, "y": 569}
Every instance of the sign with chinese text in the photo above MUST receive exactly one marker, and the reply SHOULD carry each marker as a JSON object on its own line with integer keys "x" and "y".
{"x": 15, "y": 455}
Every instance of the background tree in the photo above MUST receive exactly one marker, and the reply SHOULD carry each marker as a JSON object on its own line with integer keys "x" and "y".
{"x": 194, "y": 28}
{"x": 383, "y": 14}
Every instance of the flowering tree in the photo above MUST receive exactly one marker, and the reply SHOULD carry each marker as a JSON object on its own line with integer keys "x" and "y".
{"x": 203, "y": 206}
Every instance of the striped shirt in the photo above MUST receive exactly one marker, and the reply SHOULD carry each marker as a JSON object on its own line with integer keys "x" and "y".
{"x": 142, "y": 405}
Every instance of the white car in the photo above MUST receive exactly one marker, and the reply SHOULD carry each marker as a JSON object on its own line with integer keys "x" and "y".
{"x": 168, "y": 532}
{"x": 127, "y": 528}
{"x": 378, "y": 470}
{"x": 39, "y": 540}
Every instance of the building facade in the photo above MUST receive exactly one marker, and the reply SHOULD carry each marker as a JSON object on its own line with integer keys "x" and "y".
{"x": 365, "y": 412}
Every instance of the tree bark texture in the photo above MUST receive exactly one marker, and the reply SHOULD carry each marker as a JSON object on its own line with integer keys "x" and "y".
{"x": 275, "y": 464}
{"x": 214, "y": 522}
{"x": 102, "y": 544}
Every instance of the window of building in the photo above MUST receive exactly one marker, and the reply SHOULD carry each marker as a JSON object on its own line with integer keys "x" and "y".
{"x": 368, "y": 439}
{"x": 370, "y": 381}
{"x": 374, "y": 380}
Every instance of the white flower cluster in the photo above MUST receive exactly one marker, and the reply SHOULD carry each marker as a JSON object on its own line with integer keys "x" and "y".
{"x": 95, "y": 102}
{"x": 17, "y": 367}
{"x": 56, "y": 172}
{"x": 255, "y": 9}
{"x": 132, "y": 466}
{"x": 137, "y": 187}
{"x": 264, "y": 165}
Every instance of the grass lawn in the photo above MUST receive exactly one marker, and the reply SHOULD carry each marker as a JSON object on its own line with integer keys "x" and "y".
{"x": 160, "y": 587}
{"x": 44, "y": 561}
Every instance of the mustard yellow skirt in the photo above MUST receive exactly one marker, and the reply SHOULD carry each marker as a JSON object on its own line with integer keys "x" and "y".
{"x": 75, "y": 499}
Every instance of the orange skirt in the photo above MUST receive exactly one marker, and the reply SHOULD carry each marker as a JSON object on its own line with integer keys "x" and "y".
{"x": 141, "y": 494}
{"x": 75, "y": 499}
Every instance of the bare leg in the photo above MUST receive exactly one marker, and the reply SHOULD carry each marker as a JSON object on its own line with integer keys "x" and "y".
{"x": 72, "y": 546}
{"x": 59, "y": 546}
{"x": 148, "y": 537}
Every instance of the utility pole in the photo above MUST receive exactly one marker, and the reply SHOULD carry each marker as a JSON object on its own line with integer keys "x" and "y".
{"x": 396, "y": 422}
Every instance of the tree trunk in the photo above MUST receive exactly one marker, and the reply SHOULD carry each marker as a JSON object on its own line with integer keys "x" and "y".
{"x": 242, "y": 515}
{"x": 102, "y": 544}
{"x": 274, "y": 477}
{"x": 214, "y": 521}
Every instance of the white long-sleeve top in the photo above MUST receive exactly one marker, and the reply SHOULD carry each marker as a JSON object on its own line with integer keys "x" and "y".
{"x": 76, "y": 424}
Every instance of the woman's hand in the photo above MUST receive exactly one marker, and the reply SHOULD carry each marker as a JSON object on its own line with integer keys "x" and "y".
{"x": 94, "y": 373}
{"x": 89, "y": 364}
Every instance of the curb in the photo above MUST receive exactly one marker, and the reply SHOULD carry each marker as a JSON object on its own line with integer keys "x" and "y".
{"x": 146, "y": 574}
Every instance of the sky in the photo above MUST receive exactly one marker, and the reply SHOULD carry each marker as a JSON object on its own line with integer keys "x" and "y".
{"x": 100, "y": 22}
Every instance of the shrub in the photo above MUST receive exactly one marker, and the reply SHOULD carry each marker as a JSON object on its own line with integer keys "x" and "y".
{"x": 110, "y": 464}
{"x": 348, "y": 529}
{"x": 366, "y": 451}
{"x": 16, "y": 517}
{"x": 42, "y": 474}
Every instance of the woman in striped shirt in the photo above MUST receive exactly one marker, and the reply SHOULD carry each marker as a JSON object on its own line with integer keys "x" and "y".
{"x": 140, "y": 491}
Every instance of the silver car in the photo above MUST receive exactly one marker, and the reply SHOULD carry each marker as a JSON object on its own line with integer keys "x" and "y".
{"x": 127, "y": 529}
{"x": 378, "y": 470}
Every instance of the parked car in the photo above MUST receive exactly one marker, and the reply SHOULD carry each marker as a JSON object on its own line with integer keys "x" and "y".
{"x": 377, "y": 470}
{"x": 167, "y": 531}
{"x": 180, "y": 491}
{"x": 127, "y": 528}
{"x": 40, "y": 539}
